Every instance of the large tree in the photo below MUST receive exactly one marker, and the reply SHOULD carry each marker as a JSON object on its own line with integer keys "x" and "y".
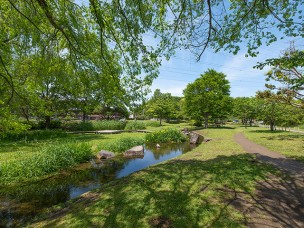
{"x": 208, "y": 96}
{"x": 162, "y": 105}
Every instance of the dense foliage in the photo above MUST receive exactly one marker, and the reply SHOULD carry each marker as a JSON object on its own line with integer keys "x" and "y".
{"x": 208, "y": 96}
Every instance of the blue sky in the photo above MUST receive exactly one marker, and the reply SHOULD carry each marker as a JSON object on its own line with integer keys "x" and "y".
{"x": 182, "y": 69}
{"x": 245, "y": 81}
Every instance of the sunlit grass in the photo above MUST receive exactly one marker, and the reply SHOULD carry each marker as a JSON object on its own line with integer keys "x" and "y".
{"x": 289, "y": 144}
{"x": 193, "y": 190}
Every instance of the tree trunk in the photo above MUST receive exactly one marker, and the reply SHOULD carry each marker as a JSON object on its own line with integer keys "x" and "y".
{"x": 206, "y": 119}
{"x": 47, "y": 122}
{"x": 84, "y": 116}
{"x": 272, "y": 126}
{"x": 160, "y": 119}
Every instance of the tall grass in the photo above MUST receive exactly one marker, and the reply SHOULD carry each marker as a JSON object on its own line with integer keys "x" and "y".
{"x": 96, "y": 125}
{"x": 135, "y": 125}
{"x": 122, "y": 144}
{"x": 51, "y": 159}
{"x": 33, "y": 135}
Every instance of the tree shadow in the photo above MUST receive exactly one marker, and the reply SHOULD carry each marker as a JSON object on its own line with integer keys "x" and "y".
{"x": 193, "y": 193}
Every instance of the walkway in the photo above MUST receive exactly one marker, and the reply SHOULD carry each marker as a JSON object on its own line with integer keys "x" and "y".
{"x": 279, "y": 201}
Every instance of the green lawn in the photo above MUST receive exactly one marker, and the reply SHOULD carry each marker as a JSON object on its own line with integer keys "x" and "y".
{"x": 193, "y": 190}
{"x": 289, "y": 144}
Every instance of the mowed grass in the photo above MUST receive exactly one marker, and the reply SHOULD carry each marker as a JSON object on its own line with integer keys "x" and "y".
{"x": 196, "y": 189}
{"x": 290, "y": 144}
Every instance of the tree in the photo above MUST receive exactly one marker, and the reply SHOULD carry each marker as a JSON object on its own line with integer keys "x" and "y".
{"x": 270, "y": 110}
{"x": 246, "y": 109}
{"x": 161, "y": 105}
{"x": 288, "y": 70}
{"x": 103, "y": 34}
{"x": 208, "y": 96}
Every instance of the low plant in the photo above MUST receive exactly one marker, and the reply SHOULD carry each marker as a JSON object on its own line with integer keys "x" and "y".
{"x": 122, "y": 144}
{"x": 135, "y": 125}
{"x": 51, "y": 159}
{"x": 166, "y": 135}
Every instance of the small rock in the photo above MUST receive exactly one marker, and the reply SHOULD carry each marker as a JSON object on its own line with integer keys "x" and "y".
{"x": 157, "y": 145}
{"x": 103, "y": 154}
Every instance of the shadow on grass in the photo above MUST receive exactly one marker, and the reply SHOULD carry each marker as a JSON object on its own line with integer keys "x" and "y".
{"x": 184, "y": 193}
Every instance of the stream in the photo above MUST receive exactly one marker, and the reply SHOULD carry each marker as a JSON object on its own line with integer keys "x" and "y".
{"x": 20, "y": 204}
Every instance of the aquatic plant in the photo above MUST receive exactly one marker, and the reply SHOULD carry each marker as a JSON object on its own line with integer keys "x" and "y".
{"x": 166, "y": 135}
{"x": 122, "y": 144}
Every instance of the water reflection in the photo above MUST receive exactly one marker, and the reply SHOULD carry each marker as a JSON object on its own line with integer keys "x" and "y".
{"x": 19, "y": 204}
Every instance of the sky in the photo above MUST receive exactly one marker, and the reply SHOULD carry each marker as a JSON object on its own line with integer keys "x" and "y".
{"x": 245, "y": 81}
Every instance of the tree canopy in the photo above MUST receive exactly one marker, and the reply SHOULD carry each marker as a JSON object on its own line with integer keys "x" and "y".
{"x": 108, "y": 39}
{"x": 208, "y": 96}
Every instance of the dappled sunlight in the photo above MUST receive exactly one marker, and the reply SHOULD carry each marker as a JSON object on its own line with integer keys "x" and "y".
{"x": 185, "y": 192}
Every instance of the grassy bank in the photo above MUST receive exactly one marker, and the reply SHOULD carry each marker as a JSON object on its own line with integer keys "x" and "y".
{"x": 196, "y": 189}
{"x": 289, "y": 144}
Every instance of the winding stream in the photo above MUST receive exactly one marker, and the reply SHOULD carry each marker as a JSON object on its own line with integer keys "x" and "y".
{"x": 20, "y": 204}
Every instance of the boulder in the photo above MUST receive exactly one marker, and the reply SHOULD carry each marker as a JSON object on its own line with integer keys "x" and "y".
{"x": 194, "y": 138}
{"x": 103, "y": 154}
{"x": 135, "y": 151}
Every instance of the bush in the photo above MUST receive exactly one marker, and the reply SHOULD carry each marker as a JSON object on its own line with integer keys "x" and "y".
{"x": 152, "y": 123}
{"x": 135, "y": 125}
{"x": 33, "y": 135}
{"x": 122, "y": 144}
{"x": 166, "y": 135}
{"x": 96, "y": 125}
{"x": 51, "y": 159}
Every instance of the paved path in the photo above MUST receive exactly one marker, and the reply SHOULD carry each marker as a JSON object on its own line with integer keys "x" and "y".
{"x": 278, "y": 201}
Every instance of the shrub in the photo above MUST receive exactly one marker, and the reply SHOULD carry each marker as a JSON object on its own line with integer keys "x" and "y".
{"x": 51, "y": 159}
{"x": 152, "y": 123}
{"x": 166, "y": 135}
{"x": 122, "y": 144}
{"x": 135, "y": 125}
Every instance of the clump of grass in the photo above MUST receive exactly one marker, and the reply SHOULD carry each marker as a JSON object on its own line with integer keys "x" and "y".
{"x": 135, "y": 125}
{"x": 152, "y": 123}
{"x": 96, "y": 125}
{"x": 33, "y": 135}
{"x": 51, "y": 159}
{"x": 166, "y": 135}
{"x": 122, "y": 144}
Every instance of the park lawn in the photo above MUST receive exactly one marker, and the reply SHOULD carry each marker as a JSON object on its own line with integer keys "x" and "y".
{"x": 194, "y": 190}
{"x": 290, "y": 144}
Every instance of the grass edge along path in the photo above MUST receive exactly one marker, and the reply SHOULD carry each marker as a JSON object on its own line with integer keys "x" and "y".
{"x": 196, "y": 189}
